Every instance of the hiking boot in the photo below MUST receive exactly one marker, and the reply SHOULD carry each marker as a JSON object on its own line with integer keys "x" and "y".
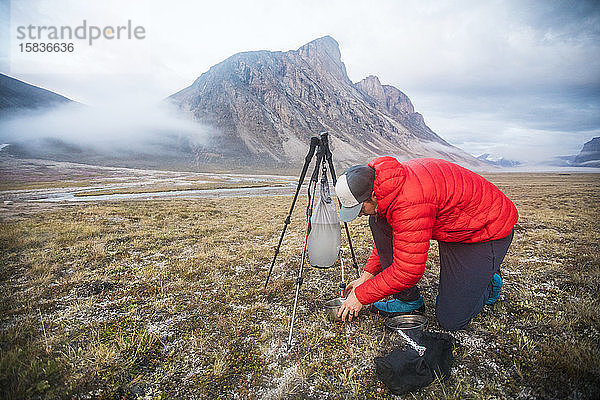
{"x": 392, "y": 308}
{"x": 496, "y": 287}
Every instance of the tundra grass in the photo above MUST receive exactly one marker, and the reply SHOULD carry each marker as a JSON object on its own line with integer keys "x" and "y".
{"x": 164, "y": 299}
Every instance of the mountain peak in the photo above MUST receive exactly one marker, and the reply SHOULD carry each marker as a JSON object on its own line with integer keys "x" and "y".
{"x": 264, "y": 107}
{"x": 387, "y": 96}
{"x": 589, "y": 156}
{"x": 372, "y": 80}
{"x": 371, "y": 86}
{"x": 324, "y": 54}
{"x": 325, "y": 44}
{"x": 397, "y": 105}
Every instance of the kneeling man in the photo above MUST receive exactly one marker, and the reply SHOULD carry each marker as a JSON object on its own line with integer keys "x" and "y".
{"x": 409, "y": 204}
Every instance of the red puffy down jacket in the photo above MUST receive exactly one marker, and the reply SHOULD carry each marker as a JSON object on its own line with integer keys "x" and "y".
{"x": 425, "y": 199}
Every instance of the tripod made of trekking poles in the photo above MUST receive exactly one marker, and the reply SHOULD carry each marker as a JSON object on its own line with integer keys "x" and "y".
{"x": 320, "y": 146}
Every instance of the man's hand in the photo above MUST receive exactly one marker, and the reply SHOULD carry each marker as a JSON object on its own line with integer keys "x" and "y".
{"x": 355, "y": 283}
{"x": 350, "y": 307}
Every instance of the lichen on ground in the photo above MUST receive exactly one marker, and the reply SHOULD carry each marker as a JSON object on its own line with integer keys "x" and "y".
{"x": 165, "y": 299}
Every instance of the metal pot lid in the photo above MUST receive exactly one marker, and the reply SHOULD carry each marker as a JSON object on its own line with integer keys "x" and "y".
{"x": 406, "y": 322}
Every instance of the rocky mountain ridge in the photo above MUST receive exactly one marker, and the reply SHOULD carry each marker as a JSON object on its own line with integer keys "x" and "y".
{"x": 18, "y": 95}
{"x": 264, "y": 107}
{"x": 589, "y": 156}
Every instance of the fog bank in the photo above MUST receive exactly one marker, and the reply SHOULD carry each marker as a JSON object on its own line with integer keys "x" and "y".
{"x": 126, "y": 125}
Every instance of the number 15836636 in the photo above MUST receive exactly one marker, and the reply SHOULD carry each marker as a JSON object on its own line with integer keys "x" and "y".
{"x": 46, "y": 47}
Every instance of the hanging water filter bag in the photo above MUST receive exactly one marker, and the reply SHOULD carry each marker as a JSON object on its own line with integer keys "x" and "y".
{"x": 324, "y": 239}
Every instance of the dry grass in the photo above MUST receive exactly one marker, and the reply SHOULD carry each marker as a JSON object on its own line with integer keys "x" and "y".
{"x": 164, "y": 299}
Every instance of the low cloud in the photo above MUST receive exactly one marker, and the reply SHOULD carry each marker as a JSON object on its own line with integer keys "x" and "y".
{"x": 479, "y": 133}
{"x": 530, "y": 127}
{"x": 125, "y": 125}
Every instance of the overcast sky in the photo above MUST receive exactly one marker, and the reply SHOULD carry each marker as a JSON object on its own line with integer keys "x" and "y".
{"x": 519, "y": 79}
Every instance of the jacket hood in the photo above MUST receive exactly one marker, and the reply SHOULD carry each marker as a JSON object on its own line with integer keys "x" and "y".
{"x": 389, "y": 178}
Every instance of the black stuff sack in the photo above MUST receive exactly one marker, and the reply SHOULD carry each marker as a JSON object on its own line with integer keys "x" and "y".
{"x": 403, "y": 370}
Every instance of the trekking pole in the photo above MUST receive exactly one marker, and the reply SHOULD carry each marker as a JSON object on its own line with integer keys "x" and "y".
{"x": 314, "y": 142}
{"x": 325, "y": 141}
{"x": 343, "y": 282}
{"x": 350, "y": 245}
{"x": 309, "y": 209}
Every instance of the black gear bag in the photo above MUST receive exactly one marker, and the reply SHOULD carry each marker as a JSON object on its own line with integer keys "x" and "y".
{"x": 403, "y": 370}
